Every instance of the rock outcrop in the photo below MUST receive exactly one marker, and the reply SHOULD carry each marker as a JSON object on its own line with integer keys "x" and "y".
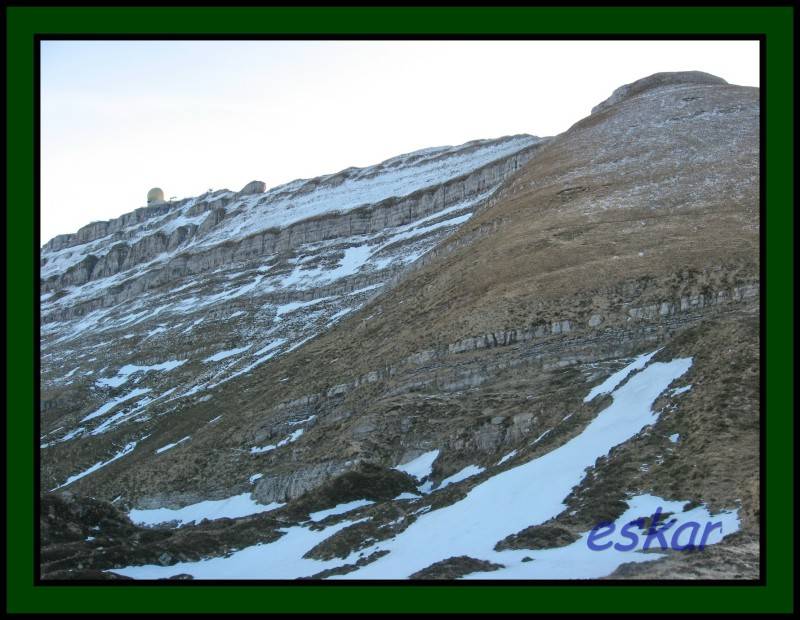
{"x": 253, "y": 187}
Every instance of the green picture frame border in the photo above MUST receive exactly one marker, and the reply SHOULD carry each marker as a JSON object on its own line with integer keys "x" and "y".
{"x": 775, "y": 22}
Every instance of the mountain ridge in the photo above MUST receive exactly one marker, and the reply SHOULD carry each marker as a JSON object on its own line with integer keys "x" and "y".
{"x": 626, "y": 246}
{"x": 290, "y": 186}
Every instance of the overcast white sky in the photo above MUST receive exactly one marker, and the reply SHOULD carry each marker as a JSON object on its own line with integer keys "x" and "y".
{"x": 119, "y": 117}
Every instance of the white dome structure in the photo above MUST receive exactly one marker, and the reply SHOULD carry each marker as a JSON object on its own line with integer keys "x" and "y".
{"x": 155, "y": 195}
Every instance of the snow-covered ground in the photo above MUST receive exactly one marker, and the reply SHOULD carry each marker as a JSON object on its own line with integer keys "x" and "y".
{"x": 421, "y": 466}
{"x": 506, "y": 457}
{"x": 169, "y": 446}
{"x": 467, "y": 472}
{"x": 107, "y": 407}
{"x": 607, "y": 386}
{"x": 125, "y": 373}
{"x": 221, "y": 355}
{"x": 504, "y": 504}
{"x": 237, "y": 506}
{"x": 339, "y": 509}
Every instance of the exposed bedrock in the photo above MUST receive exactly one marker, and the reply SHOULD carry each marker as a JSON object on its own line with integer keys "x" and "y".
{"x": 363, "y": 220}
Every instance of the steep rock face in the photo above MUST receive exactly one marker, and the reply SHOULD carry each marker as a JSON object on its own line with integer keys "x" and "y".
{"x": 631, "y": 237}
{"x": 149, "y": 324}
{"x": 458, "y": 195}
{"x": 245, "y": 214}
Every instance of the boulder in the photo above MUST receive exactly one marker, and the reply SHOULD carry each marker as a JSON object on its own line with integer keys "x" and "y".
{"x": 253, "y": 187}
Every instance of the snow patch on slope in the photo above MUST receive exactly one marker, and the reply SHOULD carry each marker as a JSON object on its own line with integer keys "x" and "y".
{"x": 125, "y": 372}
{"x": 290, "y": 439}
{"x": 529, "y": 494}
{"x": 618, "y": 377}
{"x": 99, "y": 465}
{"x": 237, "y": 506}
{"x": 421, "y": 466}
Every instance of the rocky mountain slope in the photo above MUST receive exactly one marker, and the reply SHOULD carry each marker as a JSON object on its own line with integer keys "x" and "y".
{"x": 450, "y": 365}
{"x": 152, "y": 311}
